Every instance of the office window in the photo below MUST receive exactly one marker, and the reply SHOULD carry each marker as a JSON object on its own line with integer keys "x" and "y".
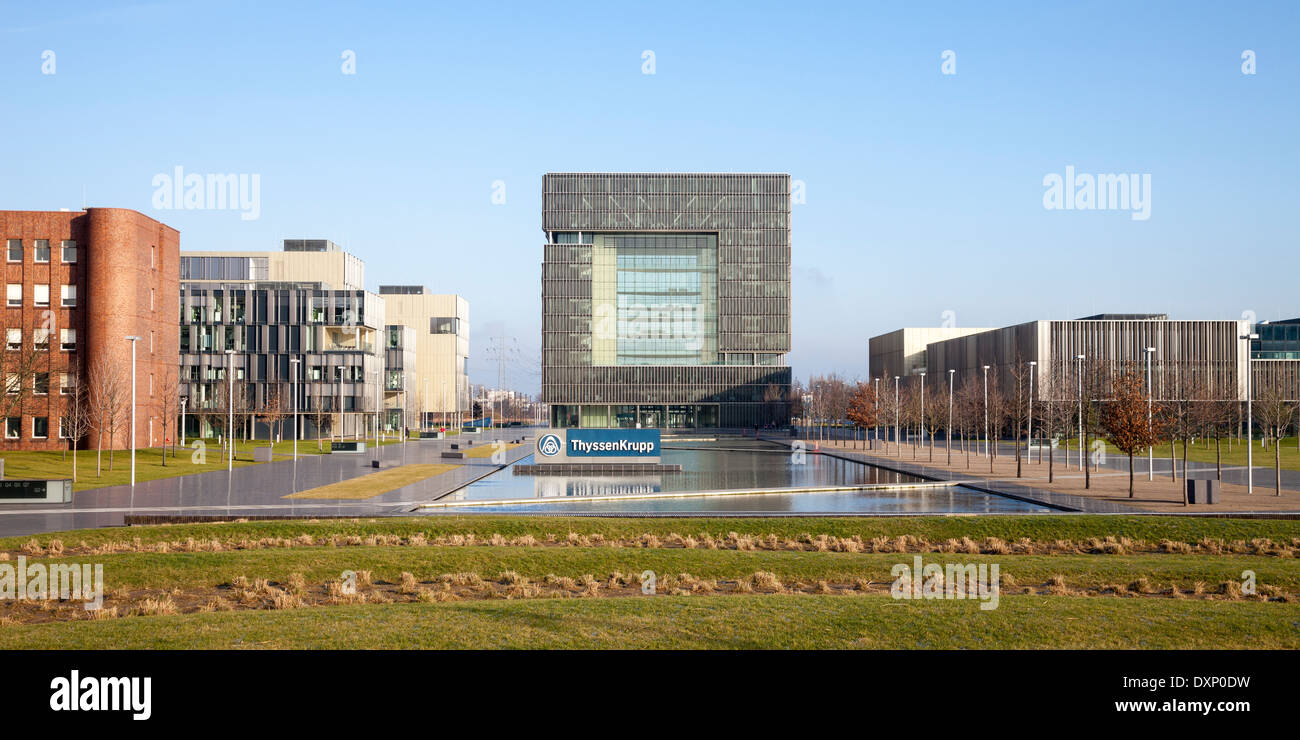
{"x": 65, "y": 426}
{"x": 42, "y": 293}
{"x": 40, "y": 427}
{"x": 68, "y": 340}
{"x": 13, "y": 384}
{"x": 42, "y": 250}
{"x": 41, "y": 384}
{"x": 14, "y": 250}
{"x": 12, "y": 426}
{"x": 41, "y": 338}
{"x": 14, "y": 339}
{"x": 69, "y": 251}
{"x": 68, "y": 296}
{"x": 443, "y": 325}
{"x": 14, "y": 294}
{"x": 66, "y": 385}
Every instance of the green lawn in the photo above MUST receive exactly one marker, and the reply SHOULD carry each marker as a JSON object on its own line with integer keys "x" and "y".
{"x": 149, "y": 463}
{"x": 718, "y": 622}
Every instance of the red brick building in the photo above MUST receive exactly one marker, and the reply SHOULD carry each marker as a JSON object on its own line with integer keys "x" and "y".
{"x": 77, "y": 283}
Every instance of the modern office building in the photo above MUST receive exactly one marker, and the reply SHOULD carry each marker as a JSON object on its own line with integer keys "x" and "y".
{"x": 666, "y": 299}
{"x": 1205, "y": 355}
{"x": 77, "y": 285}
{"x": 441, "y": 352}
{"x": 902, "y": 351}
{"x": 251, "y": 313}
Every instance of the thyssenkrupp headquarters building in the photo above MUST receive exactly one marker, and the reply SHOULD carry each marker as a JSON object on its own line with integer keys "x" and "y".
{"x": 666, "y": 299}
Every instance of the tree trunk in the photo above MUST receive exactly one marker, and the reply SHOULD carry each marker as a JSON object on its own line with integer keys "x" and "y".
{"x": 1130, "y": 475}
{"x": 1218, "y": 457}
{"x": 1277, "y": 464}
{"x": 1173, "y": 460}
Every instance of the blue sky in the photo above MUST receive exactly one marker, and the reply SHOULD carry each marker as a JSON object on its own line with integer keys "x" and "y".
{"x": 924, "y": 190}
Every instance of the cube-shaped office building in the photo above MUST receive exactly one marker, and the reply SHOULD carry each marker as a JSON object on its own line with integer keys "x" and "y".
{"x": 666, "y": 300}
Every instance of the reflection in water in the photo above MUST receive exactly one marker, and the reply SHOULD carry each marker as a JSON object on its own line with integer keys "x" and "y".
{"x": 737, "y": 466}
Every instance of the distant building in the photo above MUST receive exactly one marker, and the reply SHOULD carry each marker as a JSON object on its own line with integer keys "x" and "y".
{"x": 441, "y": 351}
{"x": 1211, "y": 353}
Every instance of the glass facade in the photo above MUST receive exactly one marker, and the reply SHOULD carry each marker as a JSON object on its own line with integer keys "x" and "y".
{"x": 1278, "y": 340}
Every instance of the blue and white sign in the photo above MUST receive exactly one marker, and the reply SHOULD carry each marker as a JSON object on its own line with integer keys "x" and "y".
{"x": 598, "y": 446}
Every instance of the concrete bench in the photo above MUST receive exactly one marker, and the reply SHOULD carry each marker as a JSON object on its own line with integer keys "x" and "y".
{"x": 454, "y": 455}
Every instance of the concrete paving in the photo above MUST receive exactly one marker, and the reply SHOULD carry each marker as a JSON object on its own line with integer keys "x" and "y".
{"x": 258, "y": 490}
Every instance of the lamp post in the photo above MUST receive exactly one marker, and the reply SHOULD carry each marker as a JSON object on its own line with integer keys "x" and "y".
{"x": 986, "y": 411}
{"x": 949, "y": 442}
{"x": 133, "y": 340}
{"x": 230, "y": 401}
{"x": 1151, "y": 455}
{"x": 1033, "y": 365}
{"x": 1081, "y": 451}
{"x": 922, "y": 374}
{"x": 444, "y": 402}
{"x": 1250, "y": 421}
{"x": 182, "y": 434}
{"x": 293, "y": 386}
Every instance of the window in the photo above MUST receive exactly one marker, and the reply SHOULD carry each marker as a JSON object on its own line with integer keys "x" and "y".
{"x": 14, "y": 294}
{"x": 66, "y": 385}
{"x": 67, "y": 340}
{"x": 69, "y": 251}
{"x": 40, "y": 427}
{"x": 42, "y": 250}
{"x": 41, "y": 384}
{"x": 65, "y": 426}
{"x": 14, "y": 250}
{"x": 41, "y": 338}
{"x": 14, "y": 339}
{"x": 68, "y": 296}
{"x": 12, "y": 384}
{"x": 42, "y": 295}
{"x": 443, "y": 325}
{"x": 12, "y": 426}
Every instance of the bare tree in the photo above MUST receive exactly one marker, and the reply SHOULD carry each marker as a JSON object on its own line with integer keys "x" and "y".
{"x": 106, "y": 398}
{"x": 1018, "y": 407}
{"x": 273, "y": 412}
{"x": 78, "y": 419}
{"x": 1275, "y": 414}
{"x": 167, "y": 400}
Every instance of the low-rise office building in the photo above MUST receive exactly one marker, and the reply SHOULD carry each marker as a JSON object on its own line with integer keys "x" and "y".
{"x": 441, "y": 353}
{"x": 1185, "y": 357}
{"x": 247, "y": 316}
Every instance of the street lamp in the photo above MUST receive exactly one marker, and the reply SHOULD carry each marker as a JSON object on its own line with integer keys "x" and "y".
{"x": 1151, "y": 456}
{"x": 1080, "y": 358}
{"x": 949, "y": 443}
{"x": 230, "y": 401}
{"x": 133, "y": 340}
{"x": 1250, "y": 421}
{"x": 293, "y": 386}
{"x": 1033, "y": 365}
{"x": 921, "y": 372}
{"x": 986, "y": 411}
{"x": 182, "y": 434}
